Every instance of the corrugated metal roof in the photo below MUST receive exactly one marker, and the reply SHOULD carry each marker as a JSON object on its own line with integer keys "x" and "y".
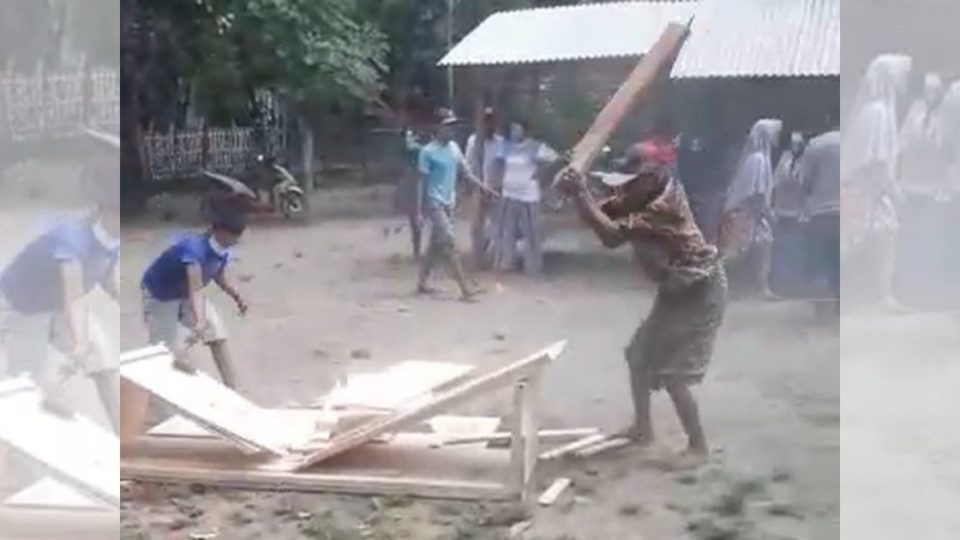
{"x": 567, "y": 33}
{"x": 757, "y": 38}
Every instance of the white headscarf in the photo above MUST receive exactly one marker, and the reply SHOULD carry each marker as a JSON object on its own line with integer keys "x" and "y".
{"x": 920, "y": 125}
{"x": 755, "y": 168}
{"x": 871, "y": 134}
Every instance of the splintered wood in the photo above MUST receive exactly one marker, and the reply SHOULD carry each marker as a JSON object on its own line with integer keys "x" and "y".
{"x": 461, "y": 392}
{"x": 210, "y": 442}
{"x": 91, "y": 459}
{"x": 394, "y": 387}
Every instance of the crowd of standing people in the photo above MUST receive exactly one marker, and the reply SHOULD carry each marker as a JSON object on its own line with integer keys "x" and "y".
{"x": 900, "y": 176}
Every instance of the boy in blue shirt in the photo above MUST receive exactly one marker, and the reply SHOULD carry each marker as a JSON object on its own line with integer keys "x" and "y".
{"x": 440, "y": 162}
{"x": 173, "y": 291}
{"x": 43, "y": 288}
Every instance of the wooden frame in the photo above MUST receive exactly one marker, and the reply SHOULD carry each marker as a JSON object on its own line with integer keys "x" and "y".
{"x": 56, "y": 511}
{"x": 408, "y": 464}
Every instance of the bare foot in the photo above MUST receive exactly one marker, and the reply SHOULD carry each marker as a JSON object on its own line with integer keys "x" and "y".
{"x": 637, "y": 436}
{"x": 469, "y": 297}
{"x": 691, "y": 458}
{"x": 427, "y": 291}
{"x": 769, "y": 296}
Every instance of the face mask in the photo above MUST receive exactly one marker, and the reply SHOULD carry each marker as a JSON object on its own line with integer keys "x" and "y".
{"x": 105, "y": 238}
{"x": 216, "y": 246}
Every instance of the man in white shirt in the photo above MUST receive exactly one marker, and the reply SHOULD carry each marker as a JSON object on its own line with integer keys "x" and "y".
{"x": 482, "y": 158}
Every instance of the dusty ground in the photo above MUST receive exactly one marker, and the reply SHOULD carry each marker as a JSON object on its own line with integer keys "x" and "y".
{"x": 323, "y": 292}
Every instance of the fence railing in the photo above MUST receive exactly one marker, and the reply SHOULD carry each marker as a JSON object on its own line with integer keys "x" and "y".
{"x": 232, "y": 151}
{"x": 58, "y": 104}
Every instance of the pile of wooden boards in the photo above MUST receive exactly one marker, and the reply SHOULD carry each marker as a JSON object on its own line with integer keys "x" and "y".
{"x": 381, "y": 433}
{"x": 72, "y": 492}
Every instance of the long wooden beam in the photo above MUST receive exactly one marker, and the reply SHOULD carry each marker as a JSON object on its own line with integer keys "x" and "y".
{"x": 635, "y": 89}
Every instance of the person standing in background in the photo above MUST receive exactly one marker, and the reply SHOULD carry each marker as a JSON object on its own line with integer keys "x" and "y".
{"x": 440, "y": 164}
{"x": 820, "y": 178}
{"x": 788, "y": 251}
{"x": 483, "y": 158}
{"x": 871, "y": 150}
{"x": 746, "y": 233}
{"x": 518, "y": 213}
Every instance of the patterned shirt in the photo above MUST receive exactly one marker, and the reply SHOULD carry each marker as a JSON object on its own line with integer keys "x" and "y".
{"x": 668, "y": 245}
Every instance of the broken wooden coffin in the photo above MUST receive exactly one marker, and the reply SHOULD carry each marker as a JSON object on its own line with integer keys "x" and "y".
{"x": 351, "y": 461}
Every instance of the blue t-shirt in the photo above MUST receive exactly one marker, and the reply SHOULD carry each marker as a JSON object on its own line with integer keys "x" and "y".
{"x": 32, "y": 282}
{"x": 166, "y": 278}
{"x": 439, "y": 165}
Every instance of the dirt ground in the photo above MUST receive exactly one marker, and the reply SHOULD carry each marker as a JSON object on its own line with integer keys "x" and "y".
{"x": 324, "y": 294}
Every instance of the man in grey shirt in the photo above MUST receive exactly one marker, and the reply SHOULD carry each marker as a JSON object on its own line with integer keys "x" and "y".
{"x": 820, "y": 175}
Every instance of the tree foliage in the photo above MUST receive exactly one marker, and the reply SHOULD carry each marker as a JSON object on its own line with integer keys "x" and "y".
{"x": 216, "y": 53}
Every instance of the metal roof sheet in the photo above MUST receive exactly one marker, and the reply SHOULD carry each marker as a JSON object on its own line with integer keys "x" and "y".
{"x": 760, "y": 38}
{"x": 567, "y": 33}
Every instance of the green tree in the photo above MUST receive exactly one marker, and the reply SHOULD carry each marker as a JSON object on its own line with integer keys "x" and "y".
{"x": 214, "y": 54}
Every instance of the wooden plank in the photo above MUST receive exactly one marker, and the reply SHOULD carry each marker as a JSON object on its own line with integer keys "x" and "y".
{"x": 637, "y": 88}
{"x": 406, "y": 466}
{"x": 450, "y": 426}
{"x": 444, "y": 400}
{"x": 395, "y": 386}
{"x": 302, "y": 424}
{"x": 53, "y": 524}
{"x": 517, "y": 453}
{"x": 529, "y": 412}
{"x": 49, "y": 494}
{"x": 91, "y": 458}
{"x": 209, "y": 403}
{"x": 603, "y": 446}
{"x": 503, "y": 437}
{"x": 572, "y": 447}
{"x": 554, "y": 491}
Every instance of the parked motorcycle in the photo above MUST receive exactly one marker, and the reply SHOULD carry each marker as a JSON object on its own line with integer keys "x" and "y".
{"x": 285, "y": 193}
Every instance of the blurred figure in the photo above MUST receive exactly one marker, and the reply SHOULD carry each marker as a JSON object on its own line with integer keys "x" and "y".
{"x": 44, "y": 288}
{"x": 746, "y": 235}
{"x": 518, "y": 213}
{"x": 787, "y": 253}
{"x": 820, "y": 178}
{"x": 871, "y": 148}
{"x": 921, "y": 140}
{"x": 483, "y": 158}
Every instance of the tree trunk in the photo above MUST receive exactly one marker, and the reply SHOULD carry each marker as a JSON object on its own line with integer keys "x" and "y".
{"x": 306, "y": 152}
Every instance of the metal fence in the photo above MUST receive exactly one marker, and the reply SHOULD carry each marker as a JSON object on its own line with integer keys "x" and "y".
{"x": 232, "y": 151}
{"x": 58, "y": 104}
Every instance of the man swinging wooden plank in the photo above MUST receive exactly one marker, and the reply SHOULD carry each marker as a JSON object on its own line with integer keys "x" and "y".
{"x": 650, "y": 211}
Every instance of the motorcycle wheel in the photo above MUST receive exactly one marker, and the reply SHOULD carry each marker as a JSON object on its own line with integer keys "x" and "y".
{"x": 294, "y": 206}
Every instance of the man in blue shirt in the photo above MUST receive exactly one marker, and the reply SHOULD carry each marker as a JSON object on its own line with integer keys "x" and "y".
{"x": 43, "y": 288}
{"x": 440, "y": 162}
{"x": 173, "y": 296}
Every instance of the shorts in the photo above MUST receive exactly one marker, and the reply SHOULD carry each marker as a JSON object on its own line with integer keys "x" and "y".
{"x": 168, "y": 321}
{"x": 29, "y": 339}
{"x": 440, "y": 217}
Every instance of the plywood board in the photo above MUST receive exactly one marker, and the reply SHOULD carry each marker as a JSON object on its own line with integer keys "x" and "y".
{"x": 49, "y": 494}
{"x": 44, "y": 524}
{"x": 209, "y": 403}
{"x": 444, "y": 400}
{"x": 303, "y": 424}
{"x": 449, "y": 426}
{"x": 406, "y": 466}
{"x": 395, "y": 386}
{"x": 503, "y": 437}
{"x": 75, "y": 451}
